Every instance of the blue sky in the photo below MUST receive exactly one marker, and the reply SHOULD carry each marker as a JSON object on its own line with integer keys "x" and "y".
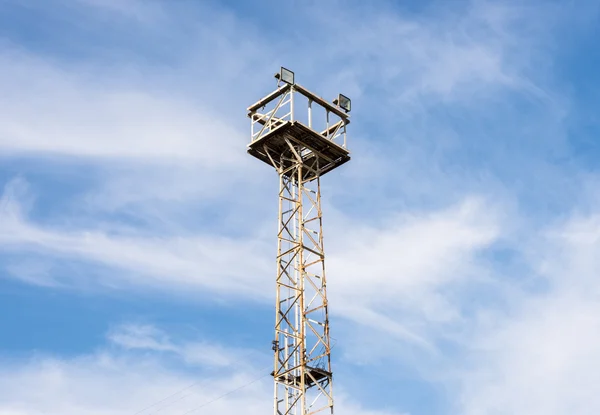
{"x": 137, "y": 238}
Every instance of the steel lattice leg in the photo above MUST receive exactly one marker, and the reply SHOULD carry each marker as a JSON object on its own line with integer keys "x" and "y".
{"x": 302, "y": 346}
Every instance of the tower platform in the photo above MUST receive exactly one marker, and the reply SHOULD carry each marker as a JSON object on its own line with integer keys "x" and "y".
{"x": 319, "y": 154}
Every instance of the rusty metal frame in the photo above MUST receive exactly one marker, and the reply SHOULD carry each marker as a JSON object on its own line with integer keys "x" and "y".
{"x": 302, "y": 349}
{"x": 303, "y": 380}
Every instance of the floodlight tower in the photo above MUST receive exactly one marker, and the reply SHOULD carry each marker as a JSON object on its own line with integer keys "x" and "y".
{"x": 303, "y": 137}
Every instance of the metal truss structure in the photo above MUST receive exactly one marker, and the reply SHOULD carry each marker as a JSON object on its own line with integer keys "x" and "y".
{"x": 286, "y": 139}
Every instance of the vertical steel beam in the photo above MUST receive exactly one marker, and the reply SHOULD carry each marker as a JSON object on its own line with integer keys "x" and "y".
{"x": 302, "y": 349}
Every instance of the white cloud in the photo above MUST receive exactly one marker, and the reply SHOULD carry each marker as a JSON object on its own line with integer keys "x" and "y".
{"x": 404, "y": 266}
{"x": 105, "y": 383}
{"x": 79, "y": 111}
{"x": 403, "y": 276}
{"x": 543, "y": 356}
{"x": 196, "y": 353}
{"x": 207, "y": 262}
{"x": 111, "y": 382}
{"x": 401, "y": 267}
{"x": 151, "y": 131}
{"x": 407, "y": 251}
{"x": 459, "y": 53}
{"x": 408, "y": 258}
{"x": 133, "y": 336}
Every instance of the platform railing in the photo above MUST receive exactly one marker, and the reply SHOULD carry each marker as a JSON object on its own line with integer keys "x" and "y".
{"x": 285, "y": 105}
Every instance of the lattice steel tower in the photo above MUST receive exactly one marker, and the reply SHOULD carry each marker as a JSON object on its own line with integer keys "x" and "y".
{"x": 303, "y": 137}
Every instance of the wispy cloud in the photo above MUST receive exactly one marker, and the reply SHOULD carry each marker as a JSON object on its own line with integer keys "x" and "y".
{"x": 53, "y": 110}
{"x": 116, "y": 383}
{"x": 542, "y": 357}
{"x": 458, "y": 119}
{"x": 201, "y": 261}
{"x": 145, "y": 337}
{"x": 406, "y": 267}
{"x": 409, "y": 258}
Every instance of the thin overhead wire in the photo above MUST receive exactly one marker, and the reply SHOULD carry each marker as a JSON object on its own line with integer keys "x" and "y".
{"x": 236, "y": 389}
{"x": 191, "y": 385}
{"x": 170, "y": 396}
{"x": 215, "y": 399}
{"x": 192, "y": 393}
{"x": 227, "y": 393}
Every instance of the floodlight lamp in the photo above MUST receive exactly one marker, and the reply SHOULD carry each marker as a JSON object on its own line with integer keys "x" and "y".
{"x": 286, "y": 76}
{"x": 344, "y": 102}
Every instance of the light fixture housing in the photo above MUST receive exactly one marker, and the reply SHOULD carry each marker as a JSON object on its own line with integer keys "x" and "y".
{"x": 285, "y": 75}
{"x": 344, "y": 102}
